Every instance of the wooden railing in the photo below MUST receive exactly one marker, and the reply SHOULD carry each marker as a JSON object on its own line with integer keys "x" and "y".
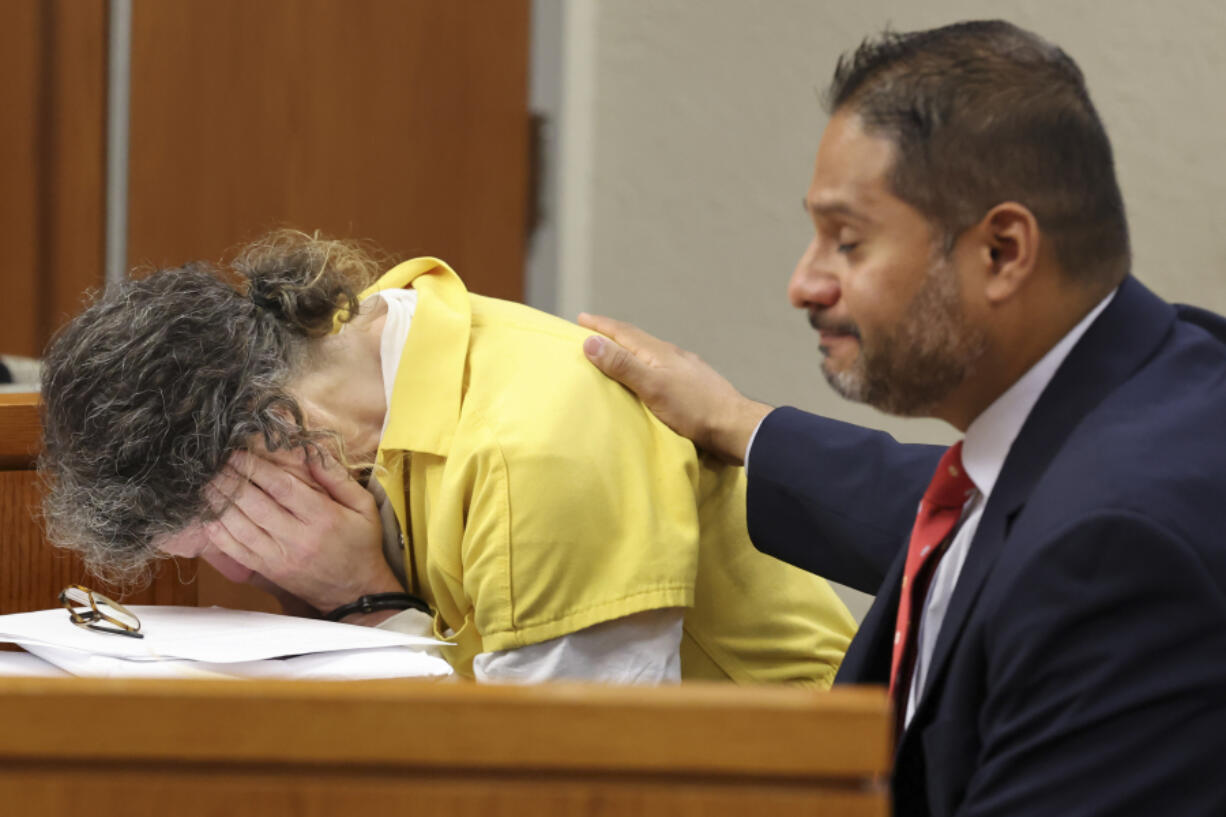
{"x": 123, "y": 748}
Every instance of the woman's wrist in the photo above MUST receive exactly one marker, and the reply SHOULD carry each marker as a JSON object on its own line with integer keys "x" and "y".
{"x": 369, "y": 619}
{"x": 379, "y": 580}
{"x": 371, "y": 604}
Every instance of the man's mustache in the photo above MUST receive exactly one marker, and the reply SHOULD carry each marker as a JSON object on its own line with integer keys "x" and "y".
{"x": 822, "y": 322}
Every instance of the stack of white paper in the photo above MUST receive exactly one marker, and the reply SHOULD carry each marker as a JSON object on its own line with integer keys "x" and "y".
{"x": 194, "y": 642}
{"x": 25, "y": 664}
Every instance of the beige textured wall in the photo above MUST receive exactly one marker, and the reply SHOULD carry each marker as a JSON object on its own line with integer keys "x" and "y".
{"x": 700, "y": 122}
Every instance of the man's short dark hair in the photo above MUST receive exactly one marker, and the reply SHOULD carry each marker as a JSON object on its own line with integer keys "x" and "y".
{"x": 985, "y": 112}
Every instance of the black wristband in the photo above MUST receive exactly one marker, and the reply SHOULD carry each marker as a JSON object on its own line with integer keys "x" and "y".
{"x": 379, "y": 601}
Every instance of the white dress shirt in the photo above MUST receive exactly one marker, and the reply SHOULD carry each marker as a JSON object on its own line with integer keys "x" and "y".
{"x": 984, "y": 449}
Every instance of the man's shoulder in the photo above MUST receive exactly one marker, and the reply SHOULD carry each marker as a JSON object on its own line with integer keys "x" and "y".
{"x": 1154, "y": 445}
{"x": 1203, "y": 319}
{"x": 1172, "y": 403}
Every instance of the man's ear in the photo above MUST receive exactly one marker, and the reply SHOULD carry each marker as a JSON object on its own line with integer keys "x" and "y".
{"x": 1009, "y": 241}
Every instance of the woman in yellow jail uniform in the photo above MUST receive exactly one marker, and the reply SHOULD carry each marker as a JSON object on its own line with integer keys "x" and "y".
{"x": 554, "y": 527}
{"x": 543, "y": 499}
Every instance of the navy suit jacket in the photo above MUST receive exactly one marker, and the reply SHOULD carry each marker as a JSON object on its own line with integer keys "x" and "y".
{"x": 1081, "y": 666}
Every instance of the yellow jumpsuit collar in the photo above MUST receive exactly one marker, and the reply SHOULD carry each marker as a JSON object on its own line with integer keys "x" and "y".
{"x": 426, "y": 395}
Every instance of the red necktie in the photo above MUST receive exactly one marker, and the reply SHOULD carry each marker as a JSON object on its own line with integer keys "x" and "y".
{"x": 939, "y": 512}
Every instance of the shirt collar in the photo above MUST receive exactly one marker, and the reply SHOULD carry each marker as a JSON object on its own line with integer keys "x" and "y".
{"x": 432, "y": 362}
{"x": 990, "y": 435}
{"x": 398, "y": 319}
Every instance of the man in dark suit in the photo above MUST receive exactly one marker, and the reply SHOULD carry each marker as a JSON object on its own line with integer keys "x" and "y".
{"x": 1054, "y": 636}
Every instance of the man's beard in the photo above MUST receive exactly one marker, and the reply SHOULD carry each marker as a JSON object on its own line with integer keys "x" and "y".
{"x": 913, "y": 366}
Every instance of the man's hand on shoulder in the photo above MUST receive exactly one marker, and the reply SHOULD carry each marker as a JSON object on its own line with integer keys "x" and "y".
{"x": 686, "y": 394}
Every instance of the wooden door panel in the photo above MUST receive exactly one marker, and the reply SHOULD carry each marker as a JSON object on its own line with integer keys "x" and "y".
{"x": 52, "y": 150}
{"x": 404, "y": 122}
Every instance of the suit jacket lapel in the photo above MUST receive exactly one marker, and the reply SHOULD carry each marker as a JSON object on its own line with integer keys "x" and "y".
{"x": 868, "y": 657}
{"x": 1123, "y": 337}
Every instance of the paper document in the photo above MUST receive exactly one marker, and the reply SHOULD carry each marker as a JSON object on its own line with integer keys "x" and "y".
{"x": 25, "y": 664}
{"x": 212, "y": 641}
{"x": 340, "y": 665}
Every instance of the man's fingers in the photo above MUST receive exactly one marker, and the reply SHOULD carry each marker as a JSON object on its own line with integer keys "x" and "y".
{"x": 605, "y": 326}
{"x": 615, "y": 361}
{"x": 626, "y": 335}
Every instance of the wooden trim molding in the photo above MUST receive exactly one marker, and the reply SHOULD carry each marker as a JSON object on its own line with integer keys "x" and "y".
{"x": 441, "y": 748}
{"x": 20, "y": 431}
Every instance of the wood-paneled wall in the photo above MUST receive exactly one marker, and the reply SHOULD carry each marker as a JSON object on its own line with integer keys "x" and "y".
{"x": 52, "y": 159}
{"x": 404, "y": 122}
{"x": 401, "y": 122}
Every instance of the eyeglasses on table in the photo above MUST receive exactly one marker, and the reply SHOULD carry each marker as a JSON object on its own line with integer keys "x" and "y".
{"x": 93, "y": 611}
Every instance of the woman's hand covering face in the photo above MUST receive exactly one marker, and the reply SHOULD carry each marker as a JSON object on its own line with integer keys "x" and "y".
{"x": 303, "y": 523}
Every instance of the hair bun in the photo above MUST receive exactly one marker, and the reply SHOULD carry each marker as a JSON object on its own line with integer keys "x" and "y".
{"x": 303, "y": 280}
{"x": 263, "y": 301}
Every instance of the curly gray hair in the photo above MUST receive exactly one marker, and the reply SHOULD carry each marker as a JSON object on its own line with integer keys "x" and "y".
{"x": 148, "y": 392}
